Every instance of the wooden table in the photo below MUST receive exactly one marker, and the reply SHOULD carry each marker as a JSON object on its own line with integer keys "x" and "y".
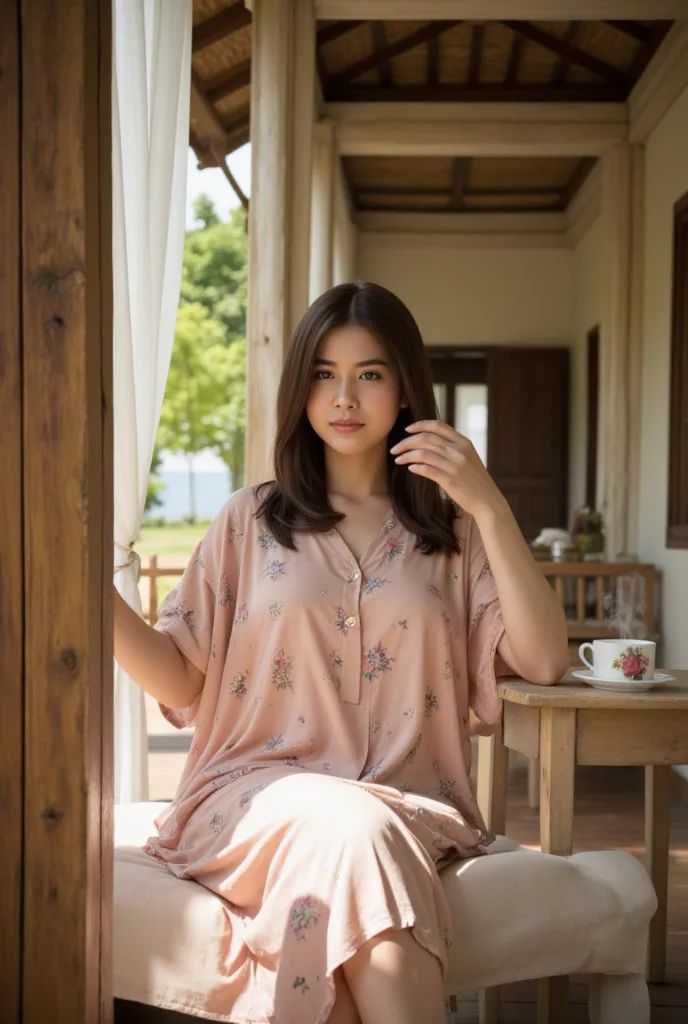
{"x": 570, "y": 724}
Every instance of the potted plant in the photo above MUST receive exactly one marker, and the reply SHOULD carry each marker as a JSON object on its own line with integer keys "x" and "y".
{"x": 587, "y": 532}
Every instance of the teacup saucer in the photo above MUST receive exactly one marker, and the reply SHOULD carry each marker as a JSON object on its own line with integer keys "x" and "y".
{"x": 622, "y": 685}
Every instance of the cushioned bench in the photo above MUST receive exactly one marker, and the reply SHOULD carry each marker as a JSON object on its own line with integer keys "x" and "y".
{"x": 529, "y": 915}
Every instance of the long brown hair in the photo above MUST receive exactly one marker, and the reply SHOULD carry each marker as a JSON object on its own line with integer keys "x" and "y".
{"x": 297, "y": 498}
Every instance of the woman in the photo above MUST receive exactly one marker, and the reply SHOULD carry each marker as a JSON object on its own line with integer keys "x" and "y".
{"x": 329, "y": 639}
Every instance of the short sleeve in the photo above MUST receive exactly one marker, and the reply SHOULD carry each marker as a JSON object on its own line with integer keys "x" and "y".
{"x": 485, "y": 629}
{"x": 205, "y": 594}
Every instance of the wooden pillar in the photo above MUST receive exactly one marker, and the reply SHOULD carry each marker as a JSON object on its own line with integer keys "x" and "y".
{"x": 620, "y": 342}
{"x": 282, "y": 110}
{"x": 322, "y": 208}
{"x": 11, "y": 563}
{"x": 55, "y": 511}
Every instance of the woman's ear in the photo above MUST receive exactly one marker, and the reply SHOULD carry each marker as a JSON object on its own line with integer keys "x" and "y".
{"x": 404, "y": 404}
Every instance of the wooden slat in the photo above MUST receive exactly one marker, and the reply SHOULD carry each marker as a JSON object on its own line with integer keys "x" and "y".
{"x": 384, "y": 70}
{"x": 433, "y": 60}
{"x": 462, "y": 167}
{"x": 342, "y": 92}
{"x": 223, "y": 85}
{"x": 515, "y": 56}
{"x": 634, "y": 29}
{"x": 11, "y": 562}
{"x": 480, "y": 10}
{"x": 67, "y": 355}
{"x": 476, "y": 53}
{"x": 566, "y": 57}
{"x": 224, "y": 24}
{"x": 329, "y": 33}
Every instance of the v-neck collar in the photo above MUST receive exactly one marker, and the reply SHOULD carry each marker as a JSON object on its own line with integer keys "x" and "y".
{"x": 386, "y": 527}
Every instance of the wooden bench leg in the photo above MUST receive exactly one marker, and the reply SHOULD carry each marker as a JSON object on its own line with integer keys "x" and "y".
{"x": 552, "y": 1000}
{"x": 657, "y": 821}
{"x": 488, "y": 1006}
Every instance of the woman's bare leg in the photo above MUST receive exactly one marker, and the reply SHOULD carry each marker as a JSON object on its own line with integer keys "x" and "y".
{"x": 344, "y": 1010}
{"x": 394, "y": 978}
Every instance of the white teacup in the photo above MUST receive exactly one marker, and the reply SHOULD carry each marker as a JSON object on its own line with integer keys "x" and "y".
{"x": 621, "y": 659}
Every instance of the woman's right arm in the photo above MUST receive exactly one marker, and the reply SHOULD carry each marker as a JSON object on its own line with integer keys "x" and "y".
{"x": 152, "y": 659}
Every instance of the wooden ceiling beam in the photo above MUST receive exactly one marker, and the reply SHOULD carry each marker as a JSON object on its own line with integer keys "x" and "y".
{"x": 225, "y": 84}
{"x": 409, "y": 42}
{"x": 497, "y": 10}
{"x": 557, "y": 45}
{"x": 381, "y": 48}
{"x": 484, "y": 94}
{"x": 468, "y": 193}
{"x": 462, "y": 167}
{"x": 477, "y": 129}
{"x": 576, "y": 180}
{"x": 211, "y": 139}
{"x": 221, "y": 25}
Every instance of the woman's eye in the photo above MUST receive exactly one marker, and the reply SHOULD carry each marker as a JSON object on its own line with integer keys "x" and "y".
{"x": 370, "y": 375}
{"x": 321, "y": 374}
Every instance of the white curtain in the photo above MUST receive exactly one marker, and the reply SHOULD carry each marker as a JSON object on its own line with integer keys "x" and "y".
{"x": 150, "y": 138}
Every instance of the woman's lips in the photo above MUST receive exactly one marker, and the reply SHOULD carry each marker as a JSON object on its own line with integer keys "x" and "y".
{"x": 346, "y": 428}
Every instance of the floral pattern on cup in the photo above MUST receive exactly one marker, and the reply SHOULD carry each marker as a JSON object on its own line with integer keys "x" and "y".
{"x": 632, "y": 662}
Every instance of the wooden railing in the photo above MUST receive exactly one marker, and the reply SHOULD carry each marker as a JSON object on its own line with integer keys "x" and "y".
{"x": 582, "y": 588}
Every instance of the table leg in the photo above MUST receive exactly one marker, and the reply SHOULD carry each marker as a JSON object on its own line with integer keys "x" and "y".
{"x": 557, "y": 766}
{"x": 493, "y": 773}
{"x": 533, "y": 783}
{"x": 657, "y": 819}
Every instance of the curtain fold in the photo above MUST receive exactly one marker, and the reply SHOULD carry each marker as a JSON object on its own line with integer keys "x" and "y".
{"x": 150, "y": 137}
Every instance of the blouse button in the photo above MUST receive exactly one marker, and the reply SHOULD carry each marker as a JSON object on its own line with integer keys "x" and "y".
{"x": 350, "y": 622}
{"x": 355, "y": 575}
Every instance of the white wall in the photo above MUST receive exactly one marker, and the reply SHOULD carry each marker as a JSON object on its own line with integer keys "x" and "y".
{"x": 468, "y": 295}
{"x": 666, "y": 179}
{"x": 463, "y": 295}
{"x": 587, "y": 310}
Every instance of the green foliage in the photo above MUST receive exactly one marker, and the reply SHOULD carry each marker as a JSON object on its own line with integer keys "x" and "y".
{"x": 155, "y": 486}
{"x": 215, "y": 271}
{"x": 205, "y": 401}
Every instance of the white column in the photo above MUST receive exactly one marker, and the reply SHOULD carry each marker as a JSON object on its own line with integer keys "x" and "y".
{"x": 619, "y": 392}
{"x": 282, "y": 110}
{"x": 322, "y": 208}
{"x": 345, "y": 238}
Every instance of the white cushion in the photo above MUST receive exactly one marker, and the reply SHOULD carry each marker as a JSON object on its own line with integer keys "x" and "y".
{"x": 516, "y": 916}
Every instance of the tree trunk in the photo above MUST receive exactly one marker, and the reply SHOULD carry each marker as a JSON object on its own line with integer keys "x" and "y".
{"x": 192, "y": 491}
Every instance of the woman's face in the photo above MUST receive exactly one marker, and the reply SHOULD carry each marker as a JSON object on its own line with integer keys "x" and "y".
{"x": 355, "y": 392}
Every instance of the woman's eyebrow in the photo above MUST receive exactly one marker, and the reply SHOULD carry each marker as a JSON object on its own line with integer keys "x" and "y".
{"x": 365, "y": 362}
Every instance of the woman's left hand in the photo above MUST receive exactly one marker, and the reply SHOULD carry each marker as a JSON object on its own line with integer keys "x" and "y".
{"x": 437, "y": 451}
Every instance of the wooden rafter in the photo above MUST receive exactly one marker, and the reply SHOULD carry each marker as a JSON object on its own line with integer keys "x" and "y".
{"x": 469, "y": 94}
{"x": 329, "y": 33}
{"x": 228, "y": 82}
{"x": 381, "y": 49}
{"x": 462, "y": 167}
{"x": 512, "y": 70}
{"x": 557, "y": 45}
{"x": 496, "y": 10}
{"x": 433, "y": 60}
{"x": 634, "y": 29}
{"x": 435, "y": 28}
{"x": 468, "y": 193}
{"x": 211, "y": 139}
{"x": 566, "y": 59}
{"x": 476, "y": 53}
{"x": 224, "y": 24}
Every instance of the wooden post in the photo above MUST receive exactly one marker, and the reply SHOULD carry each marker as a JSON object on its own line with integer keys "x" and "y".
{"x": 282, "y": 110}
{"x": 620, "y": 343}
{"x": 67, "y": 468}
{"x": 322, "y": 209}
{"x": 11, "y": 562}
{"x": 657, "y": 826}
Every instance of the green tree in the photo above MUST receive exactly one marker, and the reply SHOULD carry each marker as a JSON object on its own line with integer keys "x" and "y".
{"x": 188, "y": 421}
{"x": 215, "y": 272}
{"x": 155, "y": 486}
{"x": 229, "y": 364}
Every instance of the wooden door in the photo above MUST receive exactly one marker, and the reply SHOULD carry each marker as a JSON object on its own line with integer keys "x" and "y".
{"x": 528, "y": 433}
